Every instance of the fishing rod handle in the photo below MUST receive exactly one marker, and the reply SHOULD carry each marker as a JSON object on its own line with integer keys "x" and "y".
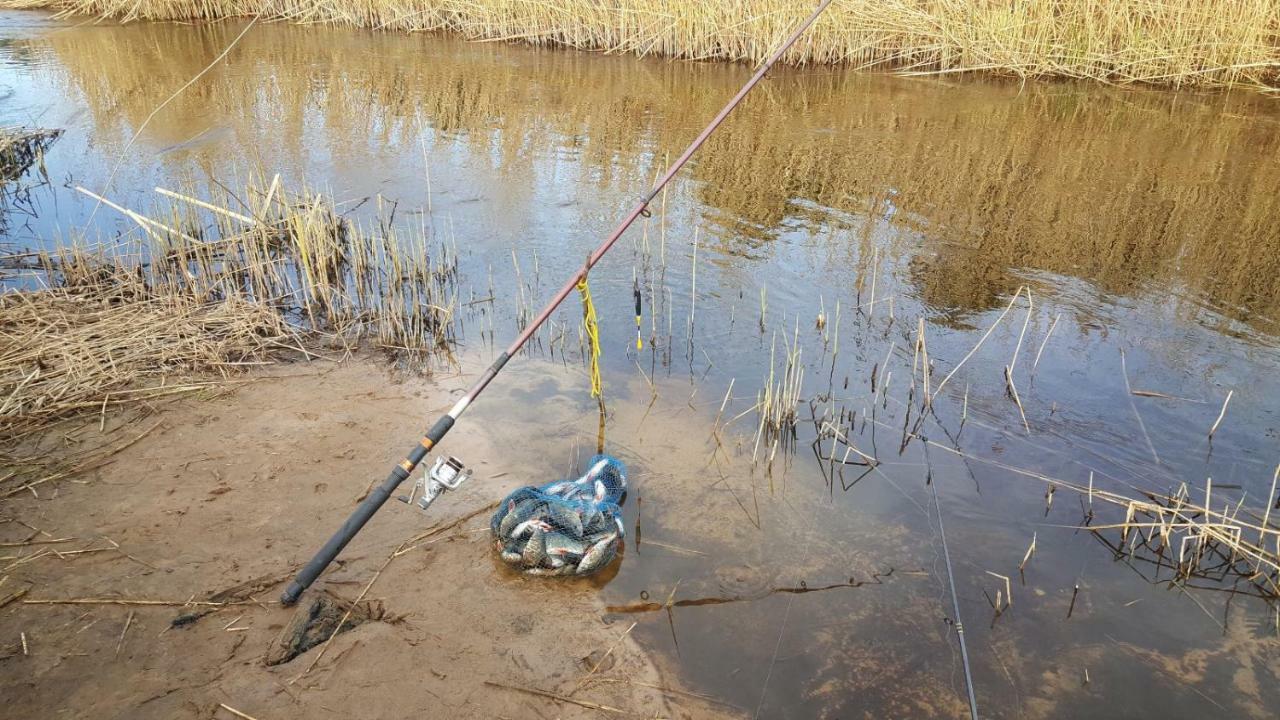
{"x": 367, "y": 508}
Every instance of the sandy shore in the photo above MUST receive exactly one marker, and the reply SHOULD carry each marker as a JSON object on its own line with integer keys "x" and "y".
{"x": 231, "y": 490}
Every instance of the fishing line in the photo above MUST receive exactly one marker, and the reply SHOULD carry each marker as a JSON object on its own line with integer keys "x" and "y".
{"x": 773, "y": 660}
{"x": 120, "y": 160}
{"x": 955, "y": 601}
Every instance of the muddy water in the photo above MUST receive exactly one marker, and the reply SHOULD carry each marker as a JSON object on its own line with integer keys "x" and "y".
{"x": 1146, "y": 226}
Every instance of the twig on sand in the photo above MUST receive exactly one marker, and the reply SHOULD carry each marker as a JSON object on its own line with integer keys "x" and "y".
{"x": 664, "y": 690}
{"x": 128, "y": 621}
{"x": 236, "y": 712}
{"x": 126, "y": 601}
{"x": 604, "y": 657}
{"x": 401, "y": 549}
{"x": 13, "y": 596}
{"x": 559, "y": 698}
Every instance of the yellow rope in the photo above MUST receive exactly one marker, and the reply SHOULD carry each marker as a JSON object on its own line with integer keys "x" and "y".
{"x": 593, "y": 336}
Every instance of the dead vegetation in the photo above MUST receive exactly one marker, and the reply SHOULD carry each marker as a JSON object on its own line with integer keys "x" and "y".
{"x": 21, "y": 148}
{"x": 1166, "y": 42}
{"x": 190, "y": 302}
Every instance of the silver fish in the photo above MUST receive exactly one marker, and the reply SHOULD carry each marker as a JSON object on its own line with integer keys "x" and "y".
{"x": 559, "y": 488}
{"x": 594, "y": 523}
{"x": 528, "y": 526}
{"x": 600, "y": 491}
{"x": 511, "y": 557}
{"x": 562, "y": 545}
{"x": 597, "y": 555}
{"x": 534, "y": 550}
{"x": 564, "y": 519}
{"x": 517, "y": 512}
{"x": 597, "y": 468}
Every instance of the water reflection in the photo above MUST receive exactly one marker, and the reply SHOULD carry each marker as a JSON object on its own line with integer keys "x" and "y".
{"x": 1133, "y": 215}
{"x": 1127, "y": 190}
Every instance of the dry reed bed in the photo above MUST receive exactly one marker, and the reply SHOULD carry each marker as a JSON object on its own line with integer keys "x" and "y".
{"x": 206, "y": 290}
{"x": 1169, "y": 42}
{"x": 105, "y": 339}
{"x": 22, "y": 148}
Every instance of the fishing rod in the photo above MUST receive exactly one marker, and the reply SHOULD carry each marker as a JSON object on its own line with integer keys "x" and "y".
{"x": 452, "y": 471}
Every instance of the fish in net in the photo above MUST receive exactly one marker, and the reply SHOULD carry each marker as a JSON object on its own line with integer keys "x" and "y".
{"x": 569, "y": 527}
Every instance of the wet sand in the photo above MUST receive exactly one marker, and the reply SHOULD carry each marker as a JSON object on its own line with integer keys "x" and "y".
{"x": 246, "y": 486}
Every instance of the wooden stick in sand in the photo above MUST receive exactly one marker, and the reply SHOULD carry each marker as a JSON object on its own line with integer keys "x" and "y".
{"x": 120, "y": 643}
{"x": 236, "y": 712}
{"x": 559, "y": 698}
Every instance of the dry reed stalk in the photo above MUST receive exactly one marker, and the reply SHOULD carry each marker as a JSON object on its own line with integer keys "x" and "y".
{"x": 1035, "y": 364}
{"x": 1008, "y": 592}
{"x": 1221, "y": 414}
{"x": 981, "y": 340}
{"x": 128, "y": 621}
{"x": 1031, "y": 550}
{"x": 559, "y": 698}
{"x": 237, "y": 713}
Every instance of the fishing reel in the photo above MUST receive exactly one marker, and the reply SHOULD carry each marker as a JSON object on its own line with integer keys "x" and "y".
{"x": 447, "y": 473}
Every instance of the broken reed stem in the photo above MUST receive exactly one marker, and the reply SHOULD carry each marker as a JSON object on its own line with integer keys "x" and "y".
{"x": 558, "y": 698}
{"x": 128, "y": 621}
{"x": 1017, "y": 349}
{"x": 981, "y": 340}
{"x": 1271, "y": 501}
{"x": 236, "y": 712}
{"x": 1008, "y": 591}
{"x": 604, "y": 657}
{"x": 1045, "y": 341}
{"x": 1221, "y": 414}
{"x": 1031, "y": 550}
{"x": 123, "y": 601}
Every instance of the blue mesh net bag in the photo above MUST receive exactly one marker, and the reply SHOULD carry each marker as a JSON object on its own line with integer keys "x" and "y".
{"x": 570, "y": 527}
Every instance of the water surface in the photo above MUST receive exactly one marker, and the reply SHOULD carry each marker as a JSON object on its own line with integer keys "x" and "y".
{"x": 1144, "y": 224}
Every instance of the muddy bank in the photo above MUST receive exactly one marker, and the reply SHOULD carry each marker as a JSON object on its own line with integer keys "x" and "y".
{"x": 245, "y": 488}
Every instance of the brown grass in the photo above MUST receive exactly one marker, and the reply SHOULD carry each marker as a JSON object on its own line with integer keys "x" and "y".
{"x": 22, "y": 148}
{"x": 1170, "y": 42}
{"x": 208, "y": 290}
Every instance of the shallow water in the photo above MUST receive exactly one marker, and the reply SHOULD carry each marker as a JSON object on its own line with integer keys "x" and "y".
{"x": 1144, "y": 223}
